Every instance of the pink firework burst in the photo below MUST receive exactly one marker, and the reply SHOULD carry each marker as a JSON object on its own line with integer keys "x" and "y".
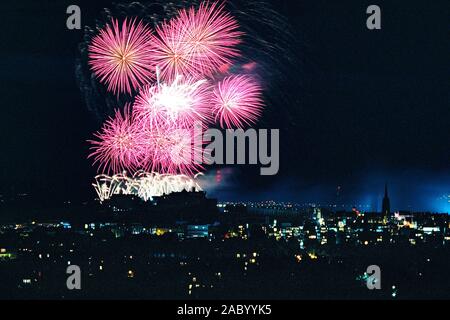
{"x": 120, "y": 56}
{"x": 119, "y": 146}
{"x": 170, "y": 150}
{"x": 237, "y": 101}
{"x": 180, "y": 104}
{"x": 170, "y": 52}
{"x": 197, "y": 42}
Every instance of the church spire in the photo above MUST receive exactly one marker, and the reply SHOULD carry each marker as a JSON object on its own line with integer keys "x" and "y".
{"x": 386, "y": 207}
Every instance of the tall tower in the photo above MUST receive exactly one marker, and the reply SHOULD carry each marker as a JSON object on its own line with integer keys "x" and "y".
{"x": 386, "y": 208}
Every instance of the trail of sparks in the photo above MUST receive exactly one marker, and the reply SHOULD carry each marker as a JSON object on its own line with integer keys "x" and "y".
{"x": 143, "y": 185}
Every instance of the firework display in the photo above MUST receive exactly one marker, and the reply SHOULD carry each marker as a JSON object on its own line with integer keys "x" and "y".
{"x": 178, "y": 75}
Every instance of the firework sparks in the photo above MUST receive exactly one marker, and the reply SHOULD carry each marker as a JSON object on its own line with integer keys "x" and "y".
{"x": 197, "y": 42}
{"x": 186, "y": 54}
{"x": 181, "y": 103}
{"x": 143, "y": 185}
{"x": 237, "y": 101}
{"x": 119, "y": 146}
{"x": 120, "y": 56}
{"x": 156, "y": 185}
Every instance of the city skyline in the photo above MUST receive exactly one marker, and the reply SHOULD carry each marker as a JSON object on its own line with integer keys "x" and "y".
{"x": 336, "y": 198}
{"x": 179, "y": 247}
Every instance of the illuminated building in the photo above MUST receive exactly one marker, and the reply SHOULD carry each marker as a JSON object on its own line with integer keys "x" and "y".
{"x": 197, "y": 231}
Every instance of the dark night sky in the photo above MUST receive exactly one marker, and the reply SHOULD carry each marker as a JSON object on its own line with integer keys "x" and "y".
{"x": 373, "y": 105}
